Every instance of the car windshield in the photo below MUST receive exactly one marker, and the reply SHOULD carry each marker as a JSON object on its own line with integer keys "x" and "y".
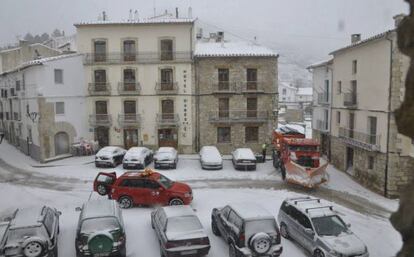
{"x": 21, "y": 233}
{"x": 329, "y": 226}
{"x": 185, "y": 223}
{"x": 164, "y": 155}
{"x": 165, "y": 182}
{"x": 99, "y": 224}
{"x": 302, "y": 148}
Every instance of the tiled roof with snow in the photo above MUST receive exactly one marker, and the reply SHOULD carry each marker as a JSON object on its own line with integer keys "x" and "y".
{"x": 321, "y": 63}
{"x": 305, "y": 91}
{"x": 232, "y": 49}
{"x": 162, "y": 19}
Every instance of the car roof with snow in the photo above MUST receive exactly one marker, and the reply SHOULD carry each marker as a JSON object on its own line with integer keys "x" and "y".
{"x": 312, "y": 207}
{"x": 27, "y": 217}
{"x": 108, "y": 149}
{"x": 137, "y": 149}
{"x": 166, "y": 149}
{"x": 244, "y": 153}
{"x": 99, "y": 208}
{"x": 178, "y": 211}
{"x": 251, "y": 211}
{"x": 140, "y": 174}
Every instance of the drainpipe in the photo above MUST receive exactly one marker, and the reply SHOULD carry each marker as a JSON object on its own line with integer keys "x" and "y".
{"x": 330, "y": 112}
{"x": 388, "y": 117}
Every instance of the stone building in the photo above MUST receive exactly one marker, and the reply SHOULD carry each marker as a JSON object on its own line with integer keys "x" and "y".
{"x": 321, "y": 104}
{"x": 368, "y": 79}
{"x": 42, "y": 106}
{"x": 236, "y": 89}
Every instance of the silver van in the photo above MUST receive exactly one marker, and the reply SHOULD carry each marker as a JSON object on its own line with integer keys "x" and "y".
{"x": 318, "y": 229}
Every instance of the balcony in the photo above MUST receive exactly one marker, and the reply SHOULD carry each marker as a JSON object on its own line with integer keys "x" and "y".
{"x": 100, "y": 120}
{"x": 360, "y": 139}
{"x": 99, "y": 89}
{"x": 252, "y": 87}
{"x": 137, "y": 57}
{"x": 350, "y": 100}
{"x": 16, "y": 116}
{"x": 239, "y": 116}
{"x": 323, "y": 98}
{"x": 129, "y": 120}
{"x": 168, "y": 119}
{"x": 129, "y": 88}
{"x": 169, "y": 88}
{"x": 322, "y": 125}
{"x": 224, "y": 87}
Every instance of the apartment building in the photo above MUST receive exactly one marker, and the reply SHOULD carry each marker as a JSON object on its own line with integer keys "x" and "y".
{"x": 139, "y": 78}
{"x": 236, "y": 88}
{"x": 368, "y": 85}
{"x": 321, "y": 103}
{"x": 43, "y": 106}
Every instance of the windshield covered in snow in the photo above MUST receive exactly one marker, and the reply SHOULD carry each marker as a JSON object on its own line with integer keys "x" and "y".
{"x": 166, "y": 182}
{"x": 99, "y": 224}
{"x": 185, "y": 223}
{"x": 329, "y": 226}
{"x": 21, "y": 233}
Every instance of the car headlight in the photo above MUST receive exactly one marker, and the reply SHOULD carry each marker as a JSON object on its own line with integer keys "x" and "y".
{"x": 187, "y": 195}
{"x": 335, "y": 253}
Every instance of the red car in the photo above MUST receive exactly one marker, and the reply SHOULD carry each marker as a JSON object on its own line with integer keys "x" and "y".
{"x": 142, "y": 188}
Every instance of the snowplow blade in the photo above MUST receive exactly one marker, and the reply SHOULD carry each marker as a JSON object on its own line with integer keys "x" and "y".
{"x": 309, "y": 178}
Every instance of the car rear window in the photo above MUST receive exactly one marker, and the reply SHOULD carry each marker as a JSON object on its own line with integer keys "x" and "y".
{"x": 181, "y": 224}
{"x": 255, "y": 226}
{"x": 99, "y": 224}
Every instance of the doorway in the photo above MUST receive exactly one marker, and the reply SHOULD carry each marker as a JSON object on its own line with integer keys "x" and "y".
{"x": 130, "y": 138}
{"x": 350, "y": 160}
{"x": 168, "y": 137}
{"x": 61, "y": 143}
{"x": 102, "y": 136}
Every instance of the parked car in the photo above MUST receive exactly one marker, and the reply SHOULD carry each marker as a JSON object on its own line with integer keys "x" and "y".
{"x": 210, "y": 158}
{"x": 249, "y": 230}
{"x": 166, "y": 157}
{"x": 143, "y": 188}
{"x": 30, "y": 232}
{"x": 318, "y": 229}
{"x": 109, "y": 156}
{"x": 100, "y": 230}
{"x": 179, "y": 232}
{"x": 137, "y": 158}
{"x": 244, "y": 159}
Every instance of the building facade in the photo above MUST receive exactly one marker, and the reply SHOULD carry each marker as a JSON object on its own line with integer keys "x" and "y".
{"x": 368, "y": 85}
{"x": 43, "y": 106}
{"x": 139, "y": 76}
{"x": 236, "y": 85}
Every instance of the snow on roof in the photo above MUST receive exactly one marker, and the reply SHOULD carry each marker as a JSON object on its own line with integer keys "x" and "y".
{"x": 232, "y": 49}
{"x": 286, "y": 85}
{"x": 27, "y": 217}
{"x": 162, "y": 19}
{"x": 178, "y": 211}
{"x": 305, "y": 91}
{"x": 166, "y": 149}
{"x": 251, "y": 211}
{"x": 290, "y": 128}
{"x": 321, "y": 63}
{"x": 98, "y": 208}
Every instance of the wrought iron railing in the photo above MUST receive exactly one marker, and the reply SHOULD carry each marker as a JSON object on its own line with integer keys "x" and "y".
{"x": 252, "y": 87}
{"x": 137, "y": 57}
{"x": 350, "y": 99}
{"x": 129, "y": 88}
{"x": 104, "y": 120}
{"x": 99, "y": 88}
{"x": 168, "y": 119}
{"x": 364, "y": 140}
{"x": 224, "y": 87}
{"x": 166, "y": 88}
{"x": 129, "y": 119}
{"x": 239, "y": 116}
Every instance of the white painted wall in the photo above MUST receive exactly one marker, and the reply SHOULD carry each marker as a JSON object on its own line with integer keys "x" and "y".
{"x": 320, "y": 75}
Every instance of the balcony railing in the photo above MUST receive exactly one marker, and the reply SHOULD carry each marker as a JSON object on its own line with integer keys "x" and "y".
{"x": 168, "y": 119}
{"x": 350, "y": 100}
{"x": 224, "y": 87}
{"x": 126, "y": 120}
{"x": 252, "y": 87}
{"x": 237, "y": 116}
{"x": 322, "y": 125}
{"x": 104, "y": 120}
{"x": 129, "y": 88}
{"x": 166, "y": 88}
{"x": 137, "y": 57}
{"x": 360, "y": 139}
{"x": 323, "y": 98}
{"x": 98, "y": 88}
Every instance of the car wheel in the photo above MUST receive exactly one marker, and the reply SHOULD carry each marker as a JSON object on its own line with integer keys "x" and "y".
{"x": 318, "y": 253}
{"x": 102, "y": 189}
{"x": 260, "y": 243}
{"x": 176, "y": 201}
{"x": 33, "y": 249}
{"x": 125, "y": 202}
{"x": 232, "y": 251}
{"x": 284, "y": 230}
{"x": 214, "y": 228}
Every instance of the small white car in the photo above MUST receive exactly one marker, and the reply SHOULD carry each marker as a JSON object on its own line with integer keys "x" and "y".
{"x": 109, "y": 156}
{"x": 137, "y": 158}
{"x": 210, "y": 158}
{"x": 166, "y": 157}
{"x": 244, "y": 159}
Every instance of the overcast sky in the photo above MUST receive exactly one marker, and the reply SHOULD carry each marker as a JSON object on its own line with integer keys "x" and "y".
{"x": 309, "y": 28}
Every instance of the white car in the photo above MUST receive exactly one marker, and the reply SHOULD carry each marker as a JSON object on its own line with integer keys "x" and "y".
{"x": 137, "y": 158}
{"x": 166, "y": 157}
{"x": 109, "y": 156}
{"x": 244, "y": 159}
{"x": 210, "y": 158}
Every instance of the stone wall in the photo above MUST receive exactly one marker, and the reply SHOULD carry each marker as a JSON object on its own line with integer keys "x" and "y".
{"x": 338, "y": 151}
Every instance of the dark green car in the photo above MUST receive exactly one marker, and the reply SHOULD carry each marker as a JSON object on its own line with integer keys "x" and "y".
{"x": 101, "y": 230}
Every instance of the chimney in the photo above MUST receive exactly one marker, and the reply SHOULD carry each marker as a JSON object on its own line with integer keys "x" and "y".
{"x": 104, "y": 16}
{"x": 136, "y": 17}
{"x": 190, "y": 12}
{"x": 199, "y": 33}
{"x": 23, "y": 43}
{"x": 398, "y": 19}
{"x": 130, "y": 15}
{"x": 176, "y": 12}
{"x": 355, "y": 38}
{"x": 220, "y": 36}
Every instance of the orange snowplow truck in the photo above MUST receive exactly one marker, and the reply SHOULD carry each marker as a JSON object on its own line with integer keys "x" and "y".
{"x": 298, "y": 158}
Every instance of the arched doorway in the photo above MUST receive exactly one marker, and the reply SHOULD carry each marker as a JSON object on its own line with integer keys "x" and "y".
{"x": 61, "y": 143}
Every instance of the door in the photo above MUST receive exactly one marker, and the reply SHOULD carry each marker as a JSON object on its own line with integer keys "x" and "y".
{"x": 349, "y": 160}
{"x": 129, "y": 51}
{"x": 102, "y": 136}
{"x": 130, "y": 138}
{"x": 100, "y": 81}
{"x": 166, "y": 50}
{"x": 167, "y": 109}
{"x": 351, "y": 125}
{"x": 224, "y": 105}
{"x": 129, "y": 80}
{"x": 61, "y": 143}
{"x": 157, "y": 193}
{"x": 251, "y": 107}
{"x": 140, "y": 192}
{"x": 101, "y": 111}
{"x": 107, "y": 179}
{"x": 130, "y": 111}
{"x": 306, "y": 239}
{"x": 167, "y": 137}
{"x": 167, "y": 80}
{"x": 100, "y": 51}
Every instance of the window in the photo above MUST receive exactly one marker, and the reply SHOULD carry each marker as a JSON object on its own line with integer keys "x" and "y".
{"x": 251, "y": 79}
{"x": 251, "y": 134}
{"x": 338, "y": 117}
{"x": 354, "y": 67}
{"x": 60, "y": 108}
{"x": 129, "y": 50}
{"x": 151, "y": 184}
{"x": 223, "y": 79}
{"x": 371, "y": 161}
{"x": 58, "y": 76}
{"x": 223, "y": 105}
{"x": 167, "y": 50}
{"x": 167, "y": 79}
{"x": 372, "y": 130}
{"x": 339, "y": 89}
{"x": 17, "y": 85}
{"x": 100, "y": 51}
{"x": 284, "y": 91}
{"x": 130, "y": 107}
{"x": 224, "y": 135}
{"x": 129, "y": 76}
{"x": 251, "y": 104}
{"x": 225, "y": 211}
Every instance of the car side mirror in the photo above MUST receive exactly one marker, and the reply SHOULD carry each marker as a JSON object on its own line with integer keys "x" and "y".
{"x": 59, "y": 213}
{"x": 309, "y": 232}
{"x": 78, "y": 209}
{"x": 348, "y": 225}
